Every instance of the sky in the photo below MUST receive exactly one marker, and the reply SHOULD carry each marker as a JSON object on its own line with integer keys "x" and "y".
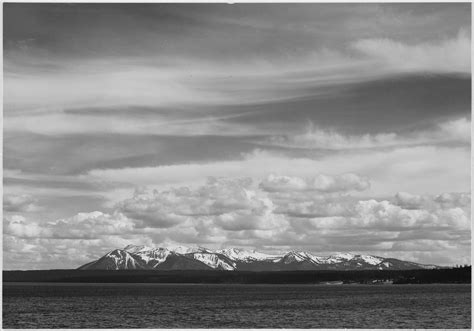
{"x": 319, "y": 127}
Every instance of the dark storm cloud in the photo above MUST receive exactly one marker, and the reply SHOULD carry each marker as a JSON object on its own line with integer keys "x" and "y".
{"x": 406, "y": 103}
{"x": 103, "y": 29}
{"x": 76, "y": 154}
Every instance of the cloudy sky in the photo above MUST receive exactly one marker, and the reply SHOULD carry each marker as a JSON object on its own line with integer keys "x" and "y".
{"x": 320, "y": 127}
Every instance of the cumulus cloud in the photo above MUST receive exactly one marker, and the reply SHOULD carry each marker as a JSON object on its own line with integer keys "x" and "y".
{"x": 151, "y": 211}
{"x": 451, "y": 55}
{"x": 383, "y": 214}
{"x": 316, "y": 209}
{"x": 295, "y": 212}
{"x": 456, "y": 130}
{"x": 409, "y": 211}
{"x": 47, "y": 253}
{"x": 409, "y": 169}
{"x": 408, "y": 201}
{"x": 90, "y": 225}
{"x": 262, "y": 219}
{"x": 20, "y": 203}
{"x": 451, "y": 200}
{"x": 321, "y": 182}
{"x": 232, "y": 204}
{"x": 80, "y": 226}
{"x": 18, "y": 226}
{"x": 444, "y": 201}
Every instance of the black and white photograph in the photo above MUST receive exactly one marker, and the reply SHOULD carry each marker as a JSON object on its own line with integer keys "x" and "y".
{"x": 236, "y": 165}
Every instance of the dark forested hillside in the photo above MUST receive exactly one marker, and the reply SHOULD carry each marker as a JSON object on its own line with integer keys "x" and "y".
{"x": 420, "y": 276}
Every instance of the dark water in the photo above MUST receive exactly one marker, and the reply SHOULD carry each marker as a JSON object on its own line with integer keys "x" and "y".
{"x": 235, "y": 306}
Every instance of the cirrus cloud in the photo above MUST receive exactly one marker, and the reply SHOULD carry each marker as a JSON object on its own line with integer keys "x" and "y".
{"x": 451, "y": 55}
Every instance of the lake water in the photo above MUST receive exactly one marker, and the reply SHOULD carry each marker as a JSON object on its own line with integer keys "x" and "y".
{"x": 36, "y": 305}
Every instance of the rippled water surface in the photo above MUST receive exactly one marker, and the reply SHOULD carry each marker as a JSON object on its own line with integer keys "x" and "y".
{"x": 36, "y": 305}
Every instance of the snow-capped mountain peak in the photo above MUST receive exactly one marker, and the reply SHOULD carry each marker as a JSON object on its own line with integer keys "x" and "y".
{"x": 292, "y": 257}
{"x": 182, "y": 257}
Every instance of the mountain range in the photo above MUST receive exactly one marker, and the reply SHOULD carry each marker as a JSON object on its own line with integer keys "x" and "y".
{"x": 134, "y": 257}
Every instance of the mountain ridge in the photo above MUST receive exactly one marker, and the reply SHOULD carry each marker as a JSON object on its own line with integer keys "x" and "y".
{"x": 139, "y": 257}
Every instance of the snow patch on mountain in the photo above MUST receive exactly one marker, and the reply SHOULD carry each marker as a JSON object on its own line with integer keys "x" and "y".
{"x": 213, "y": 261}
{"x": 315, "y": 258}
{"x": 387, "y": 264}
{"x": 120, "y": 259}
{"x": 373, "y": 260}
{"x": 154, "y": 256}
{"x": 151, "y": 256}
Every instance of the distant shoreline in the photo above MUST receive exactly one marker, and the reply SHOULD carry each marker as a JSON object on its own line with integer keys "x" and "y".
{"x": 460, "y": 275}
{"x": 205, "y": 284}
